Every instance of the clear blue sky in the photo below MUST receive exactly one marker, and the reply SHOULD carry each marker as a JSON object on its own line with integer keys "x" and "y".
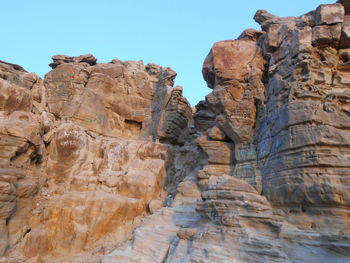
{"x": 171, "y": 33}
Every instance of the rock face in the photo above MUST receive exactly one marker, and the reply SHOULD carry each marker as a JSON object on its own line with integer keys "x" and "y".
{"x": 119, "y": 99}
{"x": 80, "y": 154}
{"x": 275, "y": 131}
{"x": 105, "y": 162}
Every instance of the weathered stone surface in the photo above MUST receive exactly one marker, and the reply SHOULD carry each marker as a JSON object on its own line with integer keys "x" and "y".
{"x": 218, "y": 152}
{"x": 105, "y": 163}
{"x": 329, "y": 14}
{"x": 323, "y": 36}
{"x": 345, "y": 34}
{"x": 60, "y": 59}
{"x": 124, "y": 99}
{"x": 216, "y": 134}
{"x": 164, "y": 230}
{"x": 79, "y": 161}
{"x": 21, "y": 149}
{"x": 251, "y": 34}
{"x": 155, "y": 205}
{"x": 234, "y": 69}
{"x": 280, "y": 191}
{"x": 174, "y": 120}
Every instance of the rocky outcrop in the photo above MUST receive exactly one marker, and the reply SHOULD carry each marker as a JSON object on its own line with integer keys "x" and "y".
{"x": 21, "y": 149}
{"x": 105, "y": 162}
{"x": 275, "y": 132}
{"x": 81, "y": 161}
{"x": 120, "y": 99}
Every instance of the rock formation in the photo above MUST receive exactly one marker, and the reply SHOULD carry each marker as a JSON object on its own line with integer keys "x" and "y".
{"x": 107, "y": 163}
{"x": 82, "y": 156}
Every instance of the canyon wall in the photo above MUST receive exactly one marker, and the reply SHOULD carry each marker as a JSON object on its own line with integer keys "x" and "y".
{"x": 83, "y": 154}
{"x": 109, "y": 163}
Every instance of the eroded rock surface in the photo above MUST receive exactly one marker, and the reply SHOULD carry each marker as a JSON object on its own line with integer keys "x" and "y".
{"x": 81, "y": 162}
{"x": 105, "y": 162}
{"x": 275, "y": 130}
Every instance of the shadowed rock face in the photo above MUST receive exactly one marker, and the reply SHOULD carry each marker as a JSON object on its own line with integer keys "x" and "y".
{"x": 276, "y": 186}
{"x": 105, "y": 163}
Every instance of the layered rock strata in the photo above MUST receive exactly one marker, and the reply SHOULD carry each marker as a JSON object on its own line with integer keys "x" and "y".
{"x": 275, "y": 187}
{"x": 81, "y": 161}
{"x": 105, "y": 162}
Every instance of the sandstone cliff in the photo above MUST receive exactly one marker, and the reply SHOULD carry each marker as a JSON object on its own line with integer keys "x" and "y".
{"x": 107, "y": 162}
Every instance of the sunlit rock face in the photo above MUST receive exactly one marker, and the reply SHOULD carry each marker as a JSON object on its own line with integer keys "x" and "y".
{"x": 119, "y": 99}
{"x": 85, "y": 154}
{"x": 105, "y": 163}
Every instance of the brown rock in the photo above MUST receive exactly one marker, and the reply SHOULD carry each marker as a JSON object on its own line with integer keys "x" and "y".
{"x": 251, "y": 34}
{"x": 329, "y": 14}
{"x": 60, "y": 59}
{"x": 345, "y": 34}
{"x": 218, "y": 152}
{"x": 155, "y": 205}
{"x": 227, "y": 68}
{"x": 66, "y": 187}
{"x": 262, "y": 17}
{"x": 187, "y": 233}
{"x": 285, "y": 173}
{"x": 216, "y": 134}
{"x": 346, "y": 5}
{"x": 21, "y": 150}
{"x": 229, "y": 60}
{"x": 324, "y": 35}
{"x": 261, "y": 173}
{"x": 123, "y": 99}
{"x": 174, "y": 120}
